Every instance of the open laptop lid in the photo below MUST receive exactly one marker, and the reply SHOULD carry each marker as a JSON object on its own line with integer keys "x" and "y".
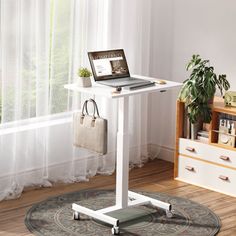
{"x": 109, "y": 64}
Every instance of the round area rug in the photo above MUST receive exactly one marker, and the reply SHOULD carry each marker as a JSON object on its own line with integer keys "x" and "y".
{"x": 54, "y": 217}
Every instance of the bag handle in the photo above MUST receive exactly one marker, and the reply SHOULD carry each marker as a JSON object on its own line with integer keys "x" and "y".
{"x": 85, "y": 108}
{"x": 95, "y": 108}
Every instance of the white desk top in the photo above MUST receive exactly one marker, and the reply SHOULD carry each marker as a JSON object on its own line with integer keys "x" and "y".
{"x": 107, "y": 91}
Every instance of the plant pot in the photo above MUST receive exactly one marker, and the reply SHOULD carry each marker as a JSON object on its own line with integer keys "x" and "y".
{"x": 195, "y": 128}
{"x": 84, "y": 82}
{"x": 211, "y": 101}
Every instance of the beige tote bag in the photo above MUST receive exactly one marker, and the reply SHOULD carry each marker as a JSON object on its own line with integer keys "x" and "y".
{"x": 90, "y": 131}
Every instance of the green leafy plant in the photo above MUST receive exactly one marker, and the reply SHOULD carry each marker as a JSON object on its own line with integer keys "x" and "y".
{"x": 84, "y": 72}
{"x": 199, "y": 89}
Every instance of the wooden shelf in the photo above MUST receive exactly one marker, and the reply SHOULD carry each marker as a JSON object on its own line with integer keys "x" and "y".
{"x": 217, "y": 131}
{"x": 219, "y": 106}
{"x": 223, "y": 146}
{"x": 208, "y": 160}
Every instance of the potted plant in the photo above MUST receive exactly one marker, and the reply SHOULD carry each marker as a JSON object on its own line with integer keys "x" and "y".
{"x": 84, "y": 77}
{"x": 199, "y": 89}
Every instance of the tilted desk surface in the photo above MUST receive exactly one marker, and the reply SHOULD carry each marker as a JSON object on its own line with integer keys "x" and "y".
{"x": 106, "y": 91}
{"x": 124, "y": 197}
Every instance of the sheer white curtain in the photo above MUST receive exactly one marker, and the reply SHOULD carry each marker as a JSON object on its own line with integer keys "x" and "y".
{"x": 35, "y": 63}
{"x": 130, "y": 29}
{"x": 42, "y": 45}
{"x": 124, "y": 24}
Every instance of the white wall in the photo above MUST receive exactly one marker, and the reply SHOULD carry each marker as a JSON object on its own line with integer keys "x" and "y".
{"x": 182, "y": 28}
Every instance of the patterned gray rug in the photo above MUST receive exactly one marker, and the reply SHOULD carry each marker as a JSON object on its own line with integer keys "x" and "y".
{"x": 54, "y": 217}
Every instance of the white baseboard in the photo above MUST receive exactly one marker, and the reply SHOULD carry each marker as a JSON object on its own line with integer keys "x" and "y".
{"x": 161, "y": 152}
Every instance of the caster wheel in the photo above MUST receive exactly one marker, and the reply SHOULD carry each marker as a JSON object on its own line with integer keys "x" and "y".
{"x": 76, "y": 215}
{"x": 115, "y": 230}
{"x": 169, "y": 214}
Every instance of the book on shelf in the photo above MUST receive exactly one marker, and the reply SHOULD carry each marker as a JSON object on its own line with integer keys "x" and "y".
{"x": 203, "y": 139}
{"x": 203, "y": 133}
{"x": 226, "y": 133}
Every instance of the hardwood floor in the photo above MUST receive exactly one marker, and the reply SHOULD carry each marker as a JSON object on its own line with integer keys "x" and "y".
{"x": 154, "y": 176}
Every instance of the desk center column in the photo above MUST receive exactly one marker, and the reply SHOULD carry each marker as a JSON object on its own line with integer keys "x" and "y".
{"x": 122, "y": 157}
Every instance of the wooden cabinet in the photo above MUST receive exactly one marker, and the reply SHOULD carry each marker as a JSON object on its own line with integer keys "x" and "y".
{"x": 210, "y": 165}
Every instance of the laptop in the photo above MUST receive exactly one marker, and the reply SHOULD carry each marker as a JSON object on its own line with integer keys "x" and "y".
{"x": 110, "y": 68}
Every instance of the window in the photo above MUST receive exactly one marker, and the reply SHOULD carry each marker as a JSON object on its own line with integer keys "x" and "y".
{"x": 35, "y": 58}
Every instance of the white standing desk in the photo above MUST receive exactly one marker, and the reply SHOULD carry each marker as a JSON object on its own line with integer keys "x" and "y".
{"x": 124, "y": 197}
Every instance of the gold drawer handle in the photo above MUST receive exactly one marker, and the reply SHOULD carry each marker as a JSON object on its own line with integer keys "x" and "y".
{"x": 190, "y": 168}
{"x": 224, "y": 158}
{"x": 225, "y": 178}
{"x": 191, "y": 149}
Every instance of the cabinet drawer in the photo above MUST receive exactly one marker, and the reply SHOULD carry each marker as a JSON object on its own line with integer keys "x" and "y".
{"x": 207, "y": 175}
{"x": 207, "y": 152}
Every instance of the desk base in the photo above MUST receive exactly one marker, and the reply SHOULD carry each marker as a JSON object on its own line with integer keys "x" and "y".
{"x": 135, "y": 199}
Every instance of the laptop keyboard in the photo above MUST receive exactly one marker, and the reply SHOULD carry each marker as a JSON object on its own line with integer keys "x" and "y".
{"x": 122, "y": 82}
{"x": 126, "y": 82}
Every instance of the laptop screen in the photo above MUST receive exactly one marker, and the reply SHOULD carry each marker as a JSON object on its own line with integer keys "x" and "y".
{"x": 108, "y": 64}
